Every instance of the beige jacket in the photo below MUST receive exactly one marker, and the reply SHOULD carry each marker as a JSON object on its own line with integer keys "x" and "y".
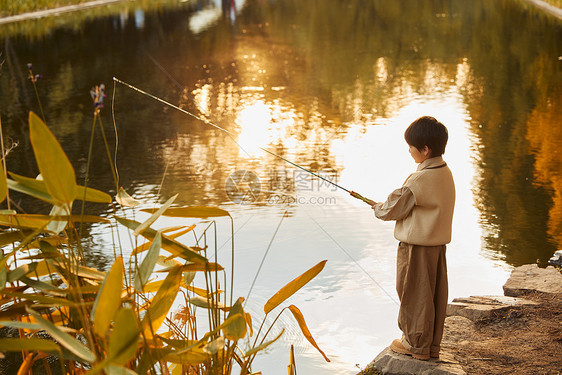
{"x": 423, "y": 206}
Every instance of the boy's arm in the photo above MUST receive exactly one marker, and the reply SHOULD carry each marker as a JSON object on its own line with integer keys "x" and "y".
{"x": 397, "y": 206}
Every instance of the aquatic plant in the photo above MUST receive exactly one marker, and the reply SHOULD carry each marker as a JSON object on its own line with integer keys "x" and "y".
{"x": 64, "y": 316}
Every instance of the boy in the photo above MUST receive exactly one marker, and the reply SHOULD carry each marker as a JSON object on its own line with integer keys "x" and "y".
{"x": 423, "y": 210}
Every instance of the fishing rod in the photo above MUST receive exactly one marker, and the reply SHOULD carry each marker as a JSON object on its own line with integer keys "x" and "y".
{"x": 232, "y": 135}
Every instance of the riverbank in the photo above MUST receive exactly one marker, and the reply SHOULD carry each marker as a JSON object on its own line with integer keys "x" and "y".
{"x": 57, "y": 11}
{"x": 553, "y": 7}
{"x": 519, "y": 333}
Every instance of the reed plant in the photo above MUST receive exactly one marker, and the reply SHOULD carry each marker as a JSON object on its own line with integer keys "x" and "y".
{"x": 158, "y": 309}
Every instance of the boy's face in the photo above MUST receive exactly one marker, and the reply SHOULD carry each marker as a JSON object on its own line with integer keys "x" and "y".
{"x": 420, "y": 155}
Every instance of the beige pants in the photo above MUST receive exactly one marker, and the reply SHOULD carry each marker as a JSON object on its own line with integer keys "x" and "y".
{"x": 421, "y": 283}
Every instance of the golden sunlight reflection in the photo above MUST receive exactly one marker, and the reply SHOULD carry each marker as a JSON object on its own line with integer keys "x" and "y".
{"x": 260, "y": 124}
{"x": 202, "y": 98}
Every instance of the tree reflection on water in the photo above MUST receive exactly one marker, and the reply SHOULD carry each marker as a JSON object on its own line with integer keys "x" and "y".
{"x": 313, "y": 70}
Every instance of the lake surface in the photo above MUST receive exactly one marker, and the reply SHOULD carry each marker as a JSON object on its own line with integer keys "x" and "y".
{"x": 331, "y": 86}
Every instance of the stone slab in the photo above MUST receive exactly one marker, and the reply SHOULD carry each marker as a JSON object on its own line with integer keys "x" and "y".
{"x": 391, "y": 363}
{"x": 458, "y": 330}
{"x": 531, "y": 278}
{"x": 482, "y": 307}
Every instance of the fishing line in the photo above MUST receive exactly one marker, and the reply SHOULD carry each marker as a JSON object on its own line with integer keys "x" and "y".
{"x": 232, "y": 136}
{"x": 354, "y": 261}
{"x": 264, "y": 256}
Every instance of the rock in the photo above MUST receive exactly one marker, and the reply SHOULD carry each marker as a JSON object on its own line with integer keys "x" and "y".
{"x": 391, "y": 363}
{"x": 458, "y": 329}
{"x": 556, "y": 259}
{"x": 482, "y": 307}
{"x": 531, "y": 278}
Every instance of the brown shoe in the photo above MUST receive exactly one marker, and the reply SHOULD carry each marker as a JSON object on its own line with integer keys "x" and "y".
{"x": 397, "y": 347}
{"x": 434, "y": 355}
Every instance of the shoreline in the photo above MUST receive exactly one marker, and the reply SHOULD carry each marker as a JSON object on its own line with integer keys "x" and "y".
{"x": 515, "y": 333}
{"x": 56, "y": 11}
{"x": 544, "y": 6}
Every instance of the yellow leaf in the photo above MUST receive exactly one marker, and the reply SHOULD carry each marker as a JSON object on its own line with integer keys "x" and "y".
{"x": 191, "y": 357}
{"x": 153, "y": 286}
{"x": 161, "y": 303}
{"x": 237, "y": 330}
{"x": 147, "y": 266}
{"x": 125, "y": 199}
{"x": 3, "y": 184}
{"x": 292, "y": 287}
{"x": 37, "y": 188}
{"x": 123, "y": 343}
{"x": 302, "y": 324}
{"x": 53, "y": 163}
{"x": 154, "y": 216}
{"x": 192, "y": 211}
{"x": 168, "y": 244}
{"x": 108, "y": 300}
{"x": 33, "y": 221}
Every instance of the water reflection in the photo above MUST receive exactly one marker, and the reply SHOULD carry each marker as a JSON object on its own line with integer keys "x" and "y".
{"x": 331, "y": 86}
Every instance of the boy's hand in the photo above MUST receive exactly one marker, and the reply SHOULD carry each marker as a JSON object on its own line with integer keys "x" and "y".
{"x": 359, "y": 196}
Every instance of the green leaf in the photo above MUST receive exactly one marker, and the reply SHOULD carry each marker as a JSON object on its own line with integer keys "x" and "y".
{"x": 125, "y": 199}
{"x": 192, "y": 211}
{"x": 21, "y": 271}
{"x": 123, "y": 343}
{"x": 82, "y": 271}
{"x": 30, "y": 186}
{"x": 198, "y": 267}
{"x": 37, "y": 188}
{"x": 24, "y": 189}
{"x": 20, "y": 325}
{"x": 3, "y": 184}
{"x": 168, "y": 244}
{"x": 28, "y": 344}
{"x": 263, "y": 346}
{"x": 147, "y": 266}
{"x": 206, "y": 303}
{"x": 32, "y": 221}
{"x": 162, "y": 302}
{"x": 154, "y": 216}
{"x": 108, "y": 300}
{"x": 92, "y": 195}
{"x": 302, "y": 324}
{"x": 53, "y": 163}
{"x": 69, "y": 342}
{"x": 191, "y": 357}
{"x": 45, "y": 300}
{"x": 292, "y": 287}
{"x": 3, "y": 273}
{"x": 237, "y": 330}
{"x": 40, "y": 285}
{"x": 11, "y": 237}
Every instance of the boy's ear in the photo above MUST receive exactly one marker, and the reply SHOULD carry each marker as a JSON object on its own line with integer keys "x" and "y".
{"x": 426, "y": 151}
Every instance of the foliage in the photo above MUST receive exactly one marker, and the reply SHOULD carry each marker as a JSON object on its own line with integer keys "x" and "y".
{"x": 119, "y": 321}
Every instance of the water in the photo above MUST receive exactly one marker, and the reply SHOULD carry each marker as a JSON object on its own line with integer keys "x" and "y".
{"x": 330, "y": 86}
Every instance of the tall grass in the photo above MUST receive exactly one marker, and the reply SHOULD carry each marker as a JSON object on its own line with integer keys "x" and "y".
{"x": 159, "y": 309}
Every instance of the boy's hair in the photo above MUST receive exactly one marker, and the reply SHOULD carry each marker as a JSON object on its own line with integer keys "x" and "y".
{"x": 427, "y": 131}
